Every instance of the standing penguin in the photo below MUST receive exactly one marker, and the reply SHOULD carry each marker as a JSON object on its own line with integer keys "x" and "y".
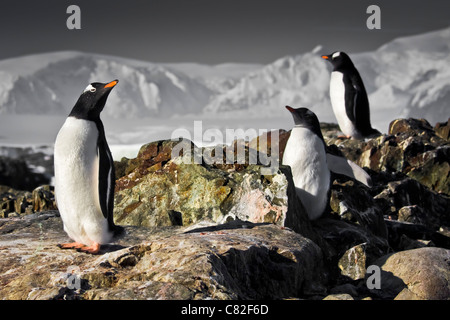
{"x": 84, "y": 173}
{"x": 310, "y": 164}
{"x": 349, "y": 98}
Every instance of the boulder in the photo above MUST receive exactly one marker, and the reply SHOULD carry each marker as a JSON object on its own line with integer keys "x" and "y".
{"x": 15, "y": 203}
{"x": 412, "y": 146}
{"x": 236, "y": 260}
{"x": 16, "y": 174}
{"x": 418, "y": 274}
{"x": 158, "y": 190}
{"x": 353, "y": 202}
{"x": 442, "y": 129}
{"x": 413, "y": 202}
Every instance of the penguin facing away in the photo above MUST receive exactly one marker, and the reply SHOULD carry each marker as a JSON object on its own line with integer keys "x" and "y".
{"x": 349, "y": 98}
{"x": 84, "y": 173}
{"x": 310, "y": 164}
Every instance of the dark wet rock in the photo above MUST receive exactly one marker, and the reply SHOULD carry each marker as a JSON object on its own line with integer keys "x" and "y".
{"x": 352, "y": 201}
{"x": 16, "y": 174}
{"x": 413, "y": 202}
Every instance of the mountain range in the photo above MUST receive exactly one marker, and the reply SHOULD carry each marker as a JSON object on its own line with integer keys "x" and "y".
{"x": 407, "y": 77}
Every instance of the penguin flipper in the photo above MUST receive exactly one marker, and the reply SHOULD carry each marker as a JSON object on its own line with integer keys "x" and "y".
{"x": 351, "y": 98}
{"x": 106, "y": 180}
{"x": 346, "y": 167}
{"x": 361, "y": 110}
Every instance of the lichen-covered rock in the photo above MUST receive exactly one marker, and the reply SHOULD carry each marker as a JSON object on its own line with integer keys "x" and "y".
{"x": 353, "y": 262}
{"x": 411, "y": 146}
{"x": 231, "y": 261}
{"x": 418, "y": 274}
{"x": 15, "y": 203}
{"x": 158, "y": 190}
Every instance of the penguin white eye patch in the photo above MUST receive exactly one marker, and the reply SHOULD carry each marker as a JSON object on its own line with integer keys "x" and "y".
{"x": 90, "y": 88}
{"x": 336, "y": 54}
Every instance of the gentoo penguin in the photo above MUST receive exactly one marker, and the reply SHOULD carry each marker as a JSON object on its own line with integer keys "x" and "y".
{"x": 349, "y": 98}
{"x": 84, "y": 173}
{"x": 310, "y": 164}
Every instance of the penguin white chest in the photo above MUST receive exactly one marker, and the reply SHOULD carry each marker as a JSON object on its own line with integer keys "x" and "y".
{"x": 76, "y": 182}
{"x": 337, "y": 97}
{"x": 305, "y": 154}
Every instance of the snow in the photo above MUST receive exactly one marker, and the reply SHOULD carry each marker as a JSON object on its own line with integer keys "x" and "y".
{"x": 407, "y": 77}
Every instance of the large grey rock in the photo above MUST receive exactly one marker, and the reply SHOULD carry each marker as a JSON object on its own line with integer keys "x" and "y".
{"x": 231, "y": 261}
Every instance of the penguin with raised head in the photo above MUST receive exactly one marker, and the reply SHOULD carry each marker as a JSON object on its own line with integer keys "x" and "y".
{"x": 349, "y": 98}
{"x": 310, "y": 163}
{"x": 84, "y": 173}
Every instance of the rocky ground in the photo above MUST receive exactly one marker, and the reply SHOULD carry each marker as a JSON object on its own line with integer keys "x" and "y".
{"x": 226, "y": 231}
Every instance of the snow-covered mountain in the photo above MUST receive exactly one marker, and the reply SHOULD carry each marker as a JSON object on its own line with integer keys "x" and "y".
{"x": 409, "y": 76}
{"x": 51, "y": 83}
{"x": 301, "y": 80}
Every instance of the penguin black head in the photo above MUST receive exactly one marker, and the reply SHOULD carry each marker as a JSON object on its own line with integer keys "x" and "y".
{"x": 339, "y": 60}
{"x": 305, "y": 118}
{"x": 92, "y": 100}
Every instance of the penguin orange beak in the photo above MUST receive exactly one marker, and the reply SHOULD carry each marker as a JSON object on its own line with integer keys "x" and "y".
{"x": 290, "y": 109}
{"x": 111, "y": 84}
{"x": 325, "y": 57}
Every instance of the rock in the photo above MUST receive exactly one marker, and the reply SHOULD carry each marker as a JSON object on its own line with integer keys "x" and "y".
{"x": 398, "y": 230}
{"x": 352, "y": 201}
{"x": 417, "y": 203}
{"x": 16, "y": 174}
{"x": 263, "y": 143}
{"x": 220, "y": 223}
{"x": 411, "y": 146}
{"x": 230, "y": 261}
{"x": 15, "y": 202}
{"x": 43, "y": 198}
{"x": 418, "y": 274}
{"x": 442, "y": 129}
{"x": 353, "y": 262}
{"x": 344, "y": 241}
{"x": 159, "y": 190}
{"x": 339, "y": 296}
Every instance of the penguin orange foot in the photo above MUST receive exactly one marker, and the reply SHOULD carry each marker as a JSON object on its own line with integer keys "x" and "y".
{"x": 94, "y": 249}
{"x": 71, "y": 245}
{"x": 343, "y": 136}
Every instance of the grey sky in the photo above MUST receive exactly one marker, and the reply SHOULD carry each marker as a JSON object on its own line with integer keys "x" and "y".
{"x": 210, "y": 31}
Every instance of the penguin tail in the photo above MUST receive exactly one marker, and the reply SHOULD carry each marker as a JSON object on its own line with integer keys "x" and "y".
{"x": 118, "y": 232}
{"x": 373, "y": 133}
